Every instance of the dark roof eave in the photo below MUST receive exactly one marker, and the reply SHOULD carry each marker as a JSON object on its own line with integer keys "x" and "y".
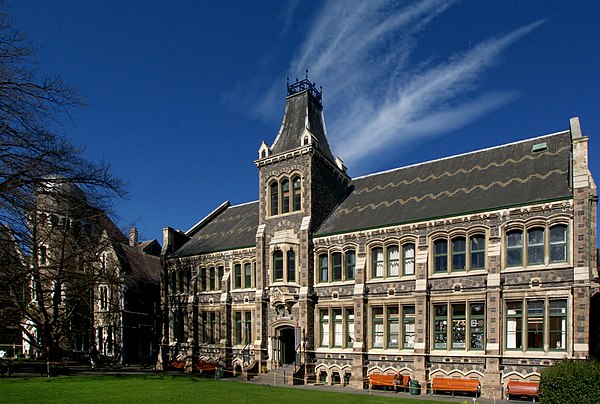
{"x": 213, "y": 251}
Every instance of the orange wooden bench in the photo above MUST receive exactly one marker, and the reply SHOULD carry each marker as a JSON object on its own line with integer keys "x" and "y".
{"x": 400, "y": 381}
{"x": 177, "y": 365}
{"x": 205, "y": 367}
{"x": 452, "y": 385}
{"x": 516, "y": 388}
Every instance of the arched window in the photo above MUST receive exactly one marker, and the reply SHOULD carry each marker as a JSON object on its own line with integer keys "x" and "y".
{"x": 558, "y": 243}
{"x": 237, "y": 271}
{"x": 220, "y": 272}
{"x": 336, "y": 263}
{"x": 459, "y": 254}
{"x": 535, "y": 246}
{"x": 350, "y": 264}
{"x": 393, "y": 256}
{"x": 274, "y": 198}
{"x": 285, "y": 196}
{"x": 408, "y": 259}
{"x": 514, "y": 248}
{"x": 440, "y": 250}
{"x": 203, "y": 279}
{"x": 538, "y": 248}
{"x": 296, "y": 193}
{"x": 291, "y": 266}
{"x": 477, "y": 251}
{"x": 247, "y": 275}
{"x": 211, "y": 277}
{"x": 323, "y": 267}
{"x": 278, "y": 265}
{"x": 377, "y": 262}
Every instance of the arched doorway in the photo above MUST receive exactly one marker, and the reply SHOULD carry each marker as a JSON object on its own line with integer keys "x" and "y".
{"x": 287, "y": 345}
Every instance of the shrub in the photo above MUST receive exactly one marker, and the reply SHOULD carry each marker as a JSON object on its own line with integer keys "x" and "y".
{"x": 571, "y": 381}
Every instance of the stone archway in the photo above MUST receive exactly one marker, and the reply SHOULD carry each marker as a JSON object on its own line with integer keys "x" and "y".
{"x": 287, "y": 346}
{"x": 282, "y": 342}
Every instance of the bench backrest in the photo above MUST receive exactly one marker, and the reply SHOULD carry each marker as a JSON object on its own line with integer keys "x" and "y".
{"x": 440, "y": 383}
{"x": 525, "y": 388}
{"x": 388, "y": 380}
{"x": 381, "y": 378}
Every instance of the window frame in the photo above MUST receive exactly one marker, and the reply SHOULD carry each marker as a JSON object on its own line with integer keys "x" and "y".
{"x": 524, "y": 303}
{"x": 336, "y": 327}
{"x": 285, "y": 194}
{"x": 340, "y": 265}
{"x": 274, "y": 198}
{"x": 452, "y": 330}
{"x": 455, "y": 253}
{"x": 406, "y": 260}
{"x": 277, "y": 269}
{"x": 377, "y": 265}
{"x": 528, "y": 249}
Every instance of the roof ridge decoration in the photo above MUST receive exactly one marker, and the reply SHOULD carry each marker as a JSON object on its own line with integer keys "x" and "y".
{"x": 305, "y": 85}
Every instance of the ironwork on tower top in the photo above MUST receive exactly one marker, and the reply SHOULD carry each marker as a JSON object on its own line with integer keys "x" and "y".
{"x": 304, "y": 85}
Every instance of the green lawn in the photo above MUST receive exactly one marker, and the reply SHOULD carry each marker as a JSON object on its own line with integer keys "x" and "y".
{"x": 166, "y": 389}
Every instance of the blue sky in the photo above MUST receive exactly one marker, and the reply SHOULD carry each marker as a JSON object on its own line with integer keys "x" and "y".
{"x": 181, "y": 94}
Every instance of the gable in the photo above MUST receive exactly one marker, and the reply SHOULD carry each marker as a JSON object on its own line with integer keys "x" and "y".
{"x": 233, "y": 228}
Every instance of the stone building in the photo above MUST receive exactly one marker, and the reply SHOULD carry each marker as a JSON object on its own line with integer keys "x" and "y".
{"x": 479, "y": 265}
{"x": 88, "y": 285}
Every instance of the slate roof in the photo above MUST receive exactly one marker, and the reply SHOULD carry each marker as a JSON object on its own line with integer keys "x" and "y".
{"x": 233, "y": 228}
{"x": 141, "y": 267}
{"x": 302, "y": 111}
{"x": 503, "y": 176}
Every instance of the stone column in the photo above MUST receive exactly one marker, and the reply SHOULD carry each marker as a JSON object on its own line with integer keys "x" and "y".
{"x": 260, "y": 321}
{"x": 420, "y": 367}
{"x": 584, "y": 239}
{"x": 359, "y": 350}
{"x": 492, "y": 385}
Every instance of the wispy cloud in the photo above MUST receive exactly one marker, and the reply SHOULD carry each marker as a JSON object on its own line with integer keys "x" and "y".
{"x": 377, "y": 96}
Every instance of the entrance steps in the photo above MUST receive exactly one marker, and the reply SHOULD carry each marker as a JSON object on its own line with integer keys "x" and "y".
{"x": 277, "y": 377}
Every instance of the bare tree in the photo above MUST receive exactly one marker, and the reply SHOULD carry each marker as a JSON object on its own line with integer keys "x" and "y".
{"x": 52, "y": 202}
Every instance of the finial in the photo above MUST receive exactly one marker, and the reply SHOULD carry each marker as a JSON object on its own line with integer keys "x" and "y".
{"x": 307, "y": 73}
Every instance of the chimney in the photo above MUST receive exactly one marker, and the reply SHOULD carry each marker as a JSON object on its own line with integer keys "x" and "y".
{"x": 133, "y": 237}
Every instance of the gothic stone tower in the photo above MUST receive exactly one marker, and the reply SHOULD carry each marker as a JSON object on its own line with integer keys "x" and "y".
{"x": 300, "y": 183}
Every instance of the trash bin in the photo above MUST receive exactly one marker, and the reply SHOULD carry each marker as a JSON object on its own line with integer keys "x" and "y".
{"x": 414, "y": 387}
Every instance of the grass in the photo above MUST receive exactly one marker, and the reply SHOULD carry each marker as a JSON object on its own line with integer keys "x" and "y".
{"x": 166, "y": 389}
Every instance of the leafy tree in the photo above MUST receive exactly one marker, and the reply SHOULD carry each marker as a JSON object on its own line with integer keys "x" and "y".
{"x": 52, "y": 203}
